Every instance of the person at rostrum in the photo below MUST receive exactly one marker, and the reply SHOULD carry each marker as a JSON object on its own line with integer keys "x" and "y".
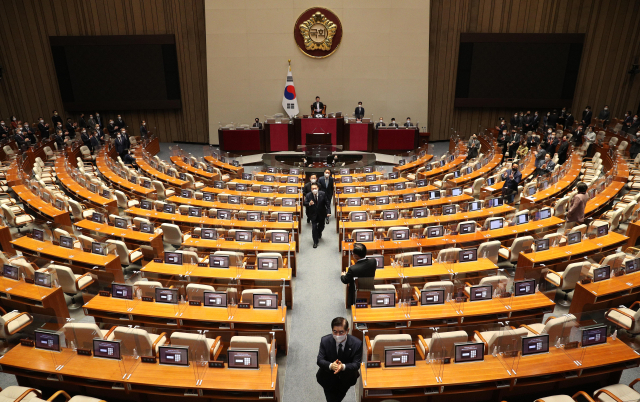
{"x": 307, "y": 189}
{"x": 338, "y": 360}
{"x": 317, "y": 205}
{"x": 327, "y": 185}
{"x": 363, "y": 268}
{"x": 359, "y": 112}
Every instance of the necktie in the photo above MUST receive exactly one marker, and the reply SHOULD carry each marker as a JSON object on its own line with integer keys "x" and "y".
{"x": 340, "y": 352}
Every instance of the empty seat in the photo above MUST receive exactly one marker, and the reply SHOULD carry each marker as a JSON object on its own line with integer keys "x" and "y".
{"x": 449, "y": 255}
{"x": 519, "y": 244}
{"x": 199, "y": 345}
{"x": 126, "y": 257}
{"x": 568, "y": 279}
{"x": 172, "y": 234}
{"x": 195, "y": 291}
{"x": 618, "y": 392}
{"x": 71, "y": 283}
{"x": 146, "y": 288}
{"x": 254, "y": 342}
{"x": 441, "y": 343}
{"x": 556, "y": 327}
{"x": 490, "y": 250}
{"x": 501, "y": 338}
{"x": 375, "y": 348}
{"x": 446, "y": 285}
{"x": 144, "y": 343}
{"x": 123, "y": 201}
{"x": 13, "y": 322}
{"x": 247, "y": 294}
{"x": 83, "y": 334}
{"x": 496, "y": 282}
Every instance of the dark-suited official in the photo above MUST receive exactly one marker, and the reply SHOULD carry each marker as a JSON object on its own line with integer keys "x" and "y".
{"x": 327, "y": 185}
{"x": 363, "y": 268}
{"x": 317, "y": 205}
{"x": 338, "y": 360}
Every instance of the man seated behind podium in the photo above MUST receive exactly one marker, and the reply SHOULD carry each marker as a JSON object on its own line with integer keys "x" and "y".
{"x": 359, "y": 113}
{"x": 393, "y": 122}
{"x": 408, "y": 123}
{"x": 317, "y": 106}
{"x": 257, "y": 124}
{"x": 363, "y": 268}
{"x": 380, "y": 123}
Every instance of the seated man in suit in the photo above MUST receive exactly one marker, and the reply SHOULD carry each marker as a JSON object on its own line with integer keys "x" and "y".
{"x": 19, "y": 139}
{"x": 540, "y": 155}
{"x": 317, "y": 107}
{"x": 359, "y": 111}
{"x": 43, "y": 128}
{"x": 380, "y": 123}
{"x": 408, "y": 122}
{"x": 129, "y": 159}
{"x": 548, "y": 165}
{"x": 363, "y": 268}
{"x": 257, "y": 124}
{"x": 393, "y": 122}
{"x": 58, "y": 137}
{"x": 338, "y": 360}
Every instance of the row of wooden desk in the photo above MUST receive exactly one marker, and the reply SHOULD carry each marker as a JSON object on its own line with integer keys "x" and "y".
{"x": 40, "y": 207}
{"x": 134, "y": 190}
{"x": 200, "y": 173}
{"x": 170, "y": 181}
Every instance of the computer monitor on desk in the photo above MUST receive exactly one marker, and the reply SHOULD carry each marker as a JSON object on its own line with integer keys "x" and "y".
{"x": 400, "y": 234}
{"x": 121, "y": 291}
{"x": 409, "y": 197}
{"x": 215, "y": 299}
{"x": 106, "y": 349}
{"x": 241, "y": 187}
{"x": 97, "y": 217}
{"x": 169, "y": 208}
{"x": 602, "y": 230}
{"x": 574, "y": 238}
{"x": 422, "y": 259}
{"x": 223, "y": 214}
{"x": 364, "y": 236}
{"x": 246, "y": 176}
{"x": 432, "y": 296}
{"x": 448, "y": 209}
{"x": 379, "y": 260}
{"x": 456, "y": 191}
{"x": 173, "y": 258}
{"x": 285, "y": 216}
{"x": 98, "y": 248}
{"x": 522, "y": 219}
{"x": 420, "y": 212}
{"x": 435, "y": 231}
{"x": 233, "y": 199}
{"x": 244, "y": 235}
{"x": 184, "y": 193}
{"x": 243, "y": 359}
{"x": 382, "y": 200}
{"x": 52, "y": 341}
{"x": 383, "y": 298}
{"x": 265, "y": 301}
{"x": 66, "y": 241}
{"x": 467, "y": 228}
{"x": 468, "y": 255}
{"x": 206, "y": 196}
{"x": 144, "y": 204}
{"x": 533, "y": 345}
{"x": 260, "y": 201}
{"x": 279, "y": 237}
{"x": 174, "y": 355}
{"x": 42, "y": 279}
{"x": 421, "y": 183}
{"x": 195, "y": 212}
{"x": 601, "y": 273}
{"x": 496, "y": 224}
{"x": 399, "y": 357}
{"x": 209, "y": 234}
{"x": 480, "y": 292}
{"x": 166, "y": 295}
{"x": 267, "y": 263}
{"x": 146, "y": 228}
{"x": 594, "y": 335}
{"x": 632, "y": 266}
{"x": 38, "y": 234}
{"x": 120, "y": 223}
{"x": 469, "y": 352}
{"x": 495, "y": 202}
{"x": 288, "y": 202}
{"x": 524, "y": 288}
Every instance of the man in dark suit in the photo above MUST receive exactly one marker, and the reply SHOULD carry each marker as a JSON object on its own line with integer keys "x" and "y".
{"x": 552, "y": 120}
{"x": 380, "y": 123}
{"x": 338, "y": 360}
{"x": 70, "y": 126}
{"x": 82, "y": 123}
{"x": 605, "y": 115}
{"x": 326, "y": 183}
{"x": 626, "y": 122}
{"x": 307, "y": 189}
{"x": 120, "y": 145}
{"x": 317, "y": 106}
{"x": 536, "y": 121}
{"x": 143, "y": 129}
{"x": 503, "y": 140}
{"x": 539, "y": 155}
{"x": 257, "y": 123}
{"x": 562, "y": 150}
{"x": 111, "y": 128}
{"x": 587, "y": 115}
{"x": 562, "y": 117}
{"x": 86, "y": 140}
{"x": 93, "y": 142}
{"x": 56, "y": 118}
{"x": 129, "y": 159}
{"x": 569, "y": 120}
{"x": 578, "y": 134}
{"x": 393, "y": 122}
{"x": 43, "y": 128}
{"x": 59, "y": 139}
{"x": 515, "y": 121}
{"x": 512, "y": 178}
{"x": 19, "y": 138}
{"x": 4, "y": 130}
{"x": 502, "y": 126}
{"x": 91, "y": 123}
{"x": 527, "y": 123}
{"x": 635, "y": 125}
{"x": 634, "y": 149}
{"x": 318, "y": 208}
{"x": 120, "y": 123}
{"x": 548, "y": 165}
{"x": 408, "y": 123}
{"x": 29, "y": 133}
{"x": 99, "y": 121}
{"x": 359, "y": 110}
{"x": 551, "y": 144}
{"x": 363, "y": 268}
{"x": 514, "y": 144}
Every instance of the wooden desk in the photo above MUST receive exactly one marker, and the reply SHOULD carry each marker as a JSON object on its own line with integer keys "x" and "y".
{"x": 129, "y": 379}
{"x": 439, "y": 172}
{"x": 28, "y": 297}
{"x": 633, "y": 232}
{"x": 183, "y": 316}
{"x": 203, "y": 174}
{"x": 107, "y": 268}
{"x": 534, "y": 265}
{"x": 170, "y": 274}
{"x": 461, "y": 240}
{"x": 491, "y": 380}
{"x": 343, "y": 211}
{"x": 155, "y": 173}
{"x": 523, "y": 309}
{"x": 204, "y": 247}
{"x": 275, "y": 194}
{"x": 485, "y": 170}
{"x": 390, "y": 193}
{"x": 233, "y": 207}
{"x": 128, "y": 235}
{"x": 370, "y": 183}
{"x": 619, "y": 290}
{"x": 279, "y": 183}
{"x": 496, "y": 190}
{"x": 225, "y": 167}
{"x": 5, "y": 241}
{"x": 40, "y": 207}
{"x": 411, "y": 166}
{"x": 603, "y": 200}
{"x": 545, "y": 197}
{"x": 134, "y": 190}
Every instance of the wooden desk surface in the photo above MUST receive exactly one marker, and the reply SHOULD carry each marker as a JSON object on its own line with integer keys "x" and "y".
{"x": 338, "y": 177}
{"x": 153, "y": 172}
{"x": 225, "y": 166}
{"x": 234, "y": 207}
{"x": 369, "y": 183}
{"x": 610, "y": 292}
{"x": 413, "y": 165}
{"x": 563, "y": 184}
{"x": 111, "y": 176}
{"x": 133, "y": 372}
{"x": 252, "y": 193}
{"x": 127, "y": 235}
{"x": 439, "y": 171}
{"x": 390, "y": 193}
{"x": 82, "y": 192}
{"x": 437, "y": 269}
{"x": 603, "y": 198}
{"x": 34, "y": 297}
{"x": 217, "y": 273}
{"x": 486, "y": 169}
{"x": 279, "y": 183}
{"x": 176, "y": 160}
{"x": 222, "y": 244}
{"x": 407, "y": 205}
{"x": 39, "y": 205}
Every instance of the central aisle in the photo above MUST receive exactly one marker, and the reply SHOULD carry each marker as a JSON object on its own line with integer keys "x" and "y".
{"x": 319, "y": 298}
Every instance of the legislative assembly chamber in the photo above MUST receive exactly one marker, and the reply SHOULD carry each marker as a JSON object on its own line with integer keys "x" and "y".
{"x": 449, "y": 194}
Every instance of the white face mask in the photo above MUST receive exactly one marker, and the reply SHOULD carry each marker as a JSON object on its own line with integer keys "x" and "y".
{"x": 408, "y": 121}
{"x": 327, "y": 175}
{"x": 119, "y": 118}
{"x": 315, "y": 192}
{"x": 110, "y": 122}
{"x": 84, "y": 132}
{"x": 606, "y": 108}
{"x": 97, "y": 115}
{"x": 41, "y": 121}
{"x": 313, "y": 180}
{"x": 144, "y": 124}
{"x": 359, "y": 105}
{"x": 55, "y": 114}
{"x": 380, "y": 120}
{"x": 340, "y": 338}
{"x": 14, "y": 119}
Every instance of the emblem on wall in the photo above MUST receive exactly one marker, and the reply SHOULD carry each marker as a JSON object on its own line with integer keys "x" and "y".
{"x": 318, "y": 32}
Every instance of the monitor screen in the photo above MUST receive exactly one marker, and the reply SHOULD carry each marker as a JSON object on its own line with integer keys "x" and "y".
{"x": 399, "y": 357}
{"x": 365, "y": 236}
{"x": 434, "y": 195}
{"x": 268, "y": 301}
{"x": 233, "y": 199}
{"x": 523, "y": 288}
{"x": 244, "y": 235}
{"x": 209, "y": 234}
{"x": 531, "y": 190}
{"x": 146, "y": 228}
{"x": 291, "y": 190}
{"x": 182, "y": 176}
{"x": 106, "y": 349}
{"x": 358, "y": 216}
{"x": 375, "y": 188}
{"x": 261, "y": 201}
{"x": 279, "y": 237}
{"x": 467, "y": 227}
{"x": 382, "y": 200}
{"x": 173, "y": 258}
{"x": 97, "y": 217}
{"x": 469, "y": 352}
{"x": 347, "y": 179}
{"x": 379, "y": 260}
{"x": 133, "y": 179}
{"x": 223, "y": 214}
{"x": 294, "y": 171}
{"x": 120, "y": 223}
{"x": 632, "y": 265}
{"x": 602, "y": 230}
{"x": 169, "y": 208}
{"x": 42, "y": 279}
{"x": 420, "y": 212}
{"x": 480, "y": 292}
{"x": 432, "y": 296}
{"x": 393, "y": 175}
{"x": 243, "y": 359}
{"x": 285, "y": 216}
{"x": 271, "y": 170}
{"x": 468, "y": 255}
{"x": 370, "y": 177}
{"x": 144, "y": 204}
{"x": 594, "y": 335}
{"x": 146, "y": 184}
{"x": 491, "y": 181}
{"x": 574, "y": 238}
{"x": 206, "y": 196}
{"x": 435, "y": 231}
{"x": 456, "y": 191}
{"x": 421, "y": 183}
{"x": 166, "y": 295}
{"x": 354, "y": 202}
{"x": 121, "y": 291}
{"x": 495, "y": 202}
{"x": 448, "y": 209}
{"x": 174, "y": 355}
{"x": 219, "y": 261}
{"x": 195, "y": 212}
{"x": 496, "y": 224}
{"x": 521, "y": 219}
{"x": 246, "y": 176}
{"x": 48, "y": 340}
{"x": 409, "y": 198}
{"x": 269, "y": 178}
{"x": 545, "y": 213}
{"x": 456, "y": 174}
{"x": 186, "y": 193}
{"x": 267, "y": 263}
{"x": 475, "y": 206}
{"x": 542, "y": 245}
{"x": 400, "y": 186}
{"x": 38, "y": 234}
{"x": 533, "y": 345}
{"x": 422, "y": 259}
{"x": 288, "y": 202}
{"x": 602, "y": 273}
{"x": 241, "y": 187}
{"x": 368, "y": 169}
{"x": 98, "y": 248}
{"x": 66, "y": 241}
{"x": 383, "y": 299}
{"x": 266, "y": 189}
{"x": 292, "y": 179}
{"x": 215, "y": 299}
{"x": 349, "y": 189}
{"x": 400, "y": 234}
{"x": 344, "y": 171}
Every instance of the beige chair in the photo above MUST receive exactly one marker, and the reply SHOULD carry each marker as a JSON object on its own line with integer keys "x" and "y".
{"x": 496, "y": 282}
{"x": 618, "y": 392}
{"x": 71, "y": 283}
{"x": 195, "y": 291}
{"x": 441, "y": 343}
{"x": 568, "y": 279}
{"x": 270, "y": 255}
{"x": 199, "y": 345}
{"x": 83, "y": 334}
{"x": 235, "y": 257}
{"x": 566, "y": 398}
{"x": 147, "y": 288}
{"x": 393, "y": 229}
{"x": 500, "y": 338}
{"x": 449, "y": 255}
{"x": 86, "y": 242}
{"x": 16, "y": 221}
{"x": 144, "y": 343}
{"x": 162, "y": 192}
{"x": 474, "y": 190}
{"x": 561, "y": 206}
{"x": 487, "y": 222}
{"x": 463, "y": 223}
{"x": 375, "y": 347}
{"x": 446, "y": 285}
{"x": 254, "y": 342}
{"x": 126, "y": 257}
{"x": 556, "y": 327}
{"x": 519, "y": 244}
{"x": 614, "y": 260}
{"x": 247, "y": 294}
{"x": 78, "y": 210}
{"x": 172, "y": 234}
{"x": 15, "y": 393}
{"x": 490, "y": 250}
{"x": 194, "y": 184}
{"x": 123, "y": 201}
{"x": 13, "y": 322}
{"x": 625, "y": 317}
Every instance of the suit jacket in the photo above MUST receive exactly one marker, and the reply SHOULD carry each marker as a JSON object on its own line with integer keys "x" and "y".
{"x": 69, "y": 127}
{"x": 143, "y": 131}
{"x": 85, "y": 138}
{"x": 315, "y": 106}
{"x": 550, "y": 165}
{"x": 19, "y": 139}
{"x": 44, "y": 131}
{"x": 562, "y": 151}
{"x": 59, "y": 140}
{"x": 536, "y": 121}
{"x": 327, "y": 185}
{"x": 627, "y": 123}
{"x": 380, "y": 124}
{"x": 82, "y": 123}
{"x": 552, "y": 120}
{"x": 393, "y": 124}
{"x": 120, "y": 123}
{"x": 509, "y": 183}
{"x": 408, "y": 124}
{"x": 635, "y": 145}
{"x": 364, "y": 268}
{"x": 351, "y": 358}
{"x": 306, "y": 189}
{"x": 111, "y": 128}
{"x": 94, "y": 142}
{"x": 91, "y": 123}
{"x": 99, "y": 122}
{"x": 501, "y": 128}
{"x": 30, "y": 135}
{"x": 569, "y": 121}
{"x": 550, "y": 147}
{"x": 359, "y": 111}
{"x": 515, "y": 138}
{"x": 516, "y": 121}
{"x": 604, "y": 115}
{"x": 319, "y": 208}
{"x": 259, "y": 125}
{"x": 4, "y": 130}
{"x": 540, "y": 158}
{"x": 128, "y": 159}
{"x": 527, "y": 122}
{"x": 120, "y": 145}
{"x": 586, "y": 117}
{"x": 56, "y": 119}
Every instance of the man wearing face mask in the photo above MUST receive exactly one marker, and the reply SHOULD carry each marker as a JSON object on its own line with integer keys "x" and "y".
{"x": 363, "y": 268}
{"x": 4, "y": 130}
{"x": 539, "y": 154}
{"x": 318, "y": 208}
{"x": 527, "y": 122}
{"x": 313, "y": 179}
{"x": 338, "y": 360}
{"x": 552, "y": 120}
{"x": 562, "y": 150}
{"x": 604, "y": 115}
{"x": 380, "y": 123}
{"x": 120, "y": 145}
{"x": 548, "y": 165}
{"x": 359, "y": 111}
{"x": 120, "y": 122}
{"x": 29, "y": 133}
{"x": 393, "y": 122}
{"x": 472, "y": 147}
{"x": 43, "y": 128}
{"x": 257, "y": 124}
{"x": 512, "y": 178}
{"x": 82, "y": 123}
{"x": 569, "y": 120}
{"x": 586, "y": 116}
{"x": 91, "y": 122}
{"x": 86, "y": 140}
{"x": 408, "y": 122}
{"x": 125, "y": 137}
{"x": 536, "y": 121}
{"x": 143, "y": 129}
{"x": 562, "y": 117}
{"x": 635, "y": 125}
{"x": 59, "y": 139}
{"x": 327, "y": 185}
{"x": 626, "y": 122}
{"x": 99, "y": 121}
{"x": 56, "y": 118}
{"x": 111, "y": 128}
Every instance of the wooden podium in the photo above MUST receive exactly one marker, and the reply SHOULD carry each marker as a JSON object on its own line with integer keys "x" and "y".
{"x": 318, "y": 139}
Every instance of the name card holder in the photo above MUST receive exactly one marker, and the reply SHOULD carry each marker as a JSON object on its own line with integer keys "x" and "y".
{"x": 104, "y": 293}
{"x": 83, "y": 352}
{"x": 148, "y": 359}
{"x": 195, "y": 303}
{"x": 216, "y": 364}
{"x": 244, "y": 305}
{"x": 147, "y": 299}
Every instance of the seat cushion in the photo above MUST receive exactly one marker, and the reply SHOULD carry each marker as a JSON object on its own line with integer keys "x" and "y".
{"x": 553, "y": 278}
{"x": 622, "y": 391}
{"x": 17, "y": 323}
{"x": 135, "y": 256}
{"x": 23, "y": 219}
{"x": 536, "y": 327}
{"x": 12, "y": 392}
{"x": 82, "y": 398}
{"x": 133, "y": 203}
{"x": 84, "y": 280}
{"x": 503, "y": 253}
{"x": 621, "y": 318}
{"x": 153, "y": 338}
{"x": 556, "y": 398}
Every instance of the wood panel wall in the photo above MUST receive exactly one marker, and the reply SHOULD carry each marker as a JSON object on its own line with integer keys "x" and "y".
{"x": 611, "y": 44}
{"x": 29, "y": 87}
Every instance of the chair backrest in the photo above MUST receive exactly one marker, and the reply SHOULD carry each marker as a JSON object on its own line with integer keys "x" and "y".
{"x": 487, "y": 222}
{"x": 247, "y": 294}
{"x": 252, "y": 342}
{"x": 147, "y": 288}
{"x": 520, "y": 244}
{"x": 446, "y": 285}
{"x": 8, "y": 150}
{"x": 382, "y": 341}
{"x": 462, "y": 223}
{"x": 159, "y": 187}
{"x": 137, "y": 221}
{"x": 134, "y": 338}
{"x": 561, "y": 206}
{"x": 614, "y": 260}
{"x": 559, "y": 327}
{"x": 393, "y": 229}
{"x": 76, "y": 209}
{"x": 9, "y": 216}
{"x": 121, "y": 198}
{"x": 171, "y": 233}
{"x": 189, "y": 257}
{"x": 122, "y": 250}
{"x": 66, "y": 278}
{"x": 477, "y": 186}
{"x": 86, "y": 241}
{"x": 271, "y": 255}
{"x": 443, "y": 342}
{"x": 491, "y": 248}
{"x": 572, "y": 273}
{"x": 496, "y": 282}
{"x": 449, "y": 254}
{"x": 82, "y": 334}
{"x": 505, "y": 338}
{"x": 195, "y": 291}
{"x": 554, "y": 238}
{"x": 628, "y": 210}
{"x": 579, "y": 228}
{"x": 197, "y": 343}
